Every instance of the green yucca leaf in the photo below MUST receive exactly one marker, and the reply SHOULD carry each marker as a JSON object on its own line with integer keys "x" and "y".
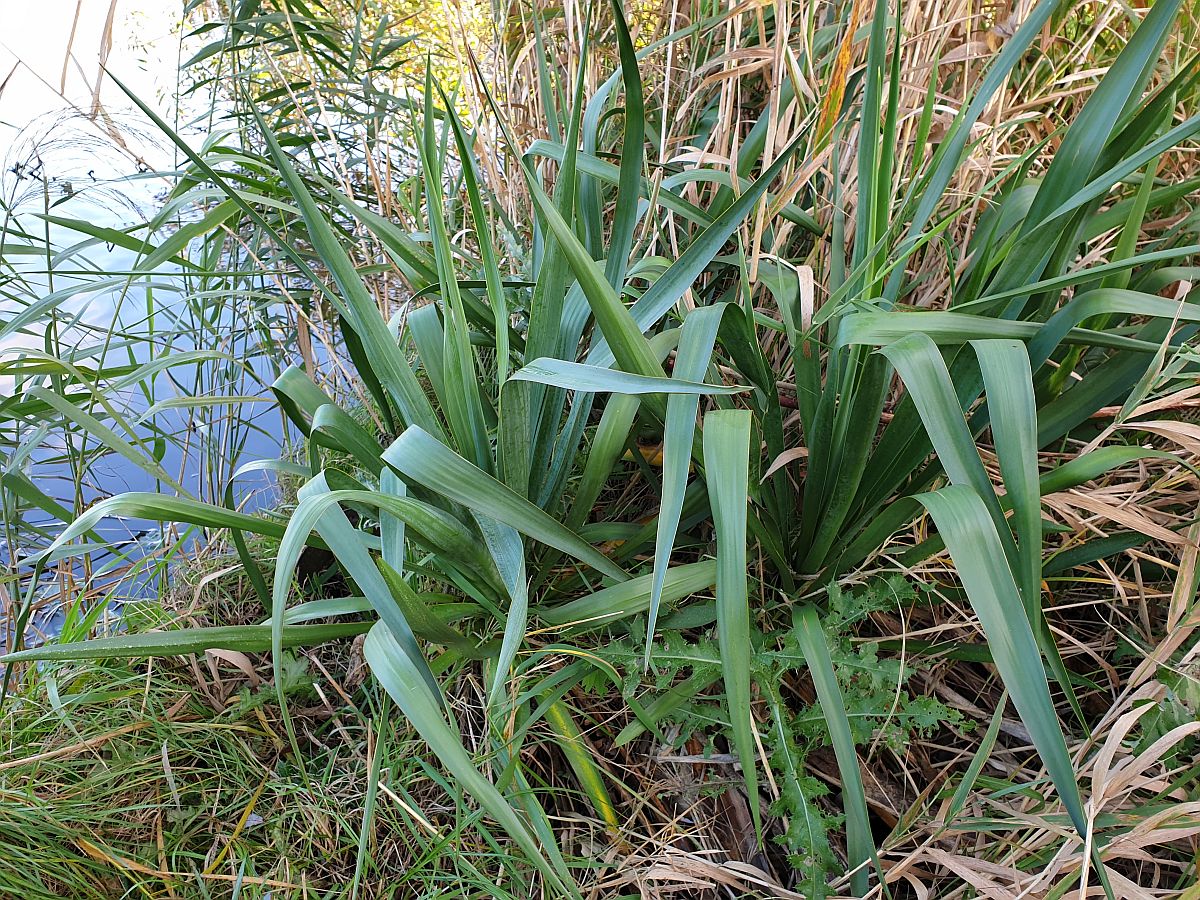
{"x": 1008, "y": 385}
{"x": 927, "y": 381}
{"x": 299, "y": 397}
{"x": 334, "y": 428}
{"x": 593, "y": 379}
{"x": 244, "y": 638}
{"x": 1014, "y": 426}
{"x": 726, "y": 460}
{"x": 392, "y": 666}
{"x": 1074, "y": 472}
{"x": 318, "y": 510}
{"x": 696, "y": 342}
{"x": 609, "y": 440}
{"x": 1105, "y": 302}
{"x": 873, "y": 176}
{"x": 491, "y": 267}
{"x": 326, "y": 607}
{"x": 420, "y": 458}
{"x": 608, "y": 443}
{"x": 460, "y": 397}
{"x": 629, "y": 598}
{"x": 670, "y": 287}
{"x": 1094, "y": 463}
{"x": 391, "y": 526}
{"x": 420, "y": 617}
{"x": 1012, "y": 412}
{"x": 625, "y": 215}
{"x": 881, "y": 328}
{"x": 424, "y": 327}
{"x": 1082, "y": 147}
{"x": 508, "y": 553}
{"x": 1102, "y": 184}
{"x": 1078, "y": 276}
{"x": 360, "y": 307}
{"x": 549, "y": 333}
{"x": 630, "y": 349}
{"x": 970, "y": 535}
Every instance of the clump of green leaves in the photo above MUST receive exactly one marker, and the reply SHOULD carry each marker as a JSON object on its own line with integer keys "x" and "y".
{"x": 484, "y": 491}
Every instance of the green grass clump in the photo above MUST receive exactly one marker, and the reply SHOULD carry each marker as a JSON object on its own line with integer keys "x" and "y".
{"x": 131, "y": 782}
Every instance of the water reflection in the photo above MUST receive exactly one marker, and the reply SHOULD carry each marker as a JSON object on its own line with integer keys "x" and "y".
{"x": 99, "y": 356}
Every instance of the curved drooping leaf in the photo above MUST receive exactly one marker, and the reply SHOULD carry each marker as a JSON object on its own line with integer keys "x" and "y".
{"x": 594, "y": 379}
{"x": 392, "y": 666}
{"x": 970, "y": 535}
{"x": 420, "y": 458}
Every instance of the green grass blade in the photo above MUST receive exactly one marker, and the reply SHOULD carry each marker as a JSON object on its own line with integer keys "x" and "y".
{"x": 162, "y": 508}
{"x": 579, "y": 757}
{"x": 144, "y": 460}
{"x": 947, "y": 158}
{"x": 963, "y": 792}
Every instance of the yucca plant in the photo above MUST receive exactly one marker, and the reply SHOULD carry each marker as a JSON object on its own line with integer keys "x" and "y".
{"x": 509, "y": 399}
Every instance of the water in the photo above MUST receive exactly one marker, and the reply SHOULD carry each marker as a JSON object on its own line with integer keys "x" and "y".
{"x": 67, "y": 164}
{"x": 127, "y": 324}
